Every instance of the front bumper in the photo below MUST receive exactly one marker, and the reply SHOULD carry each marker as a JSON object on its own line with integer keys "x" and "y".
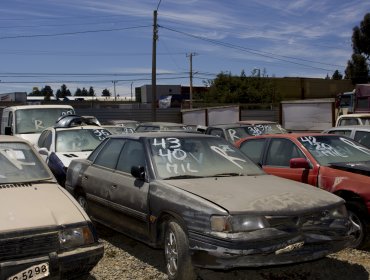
{"x": 66, "y": 265}
{"x": 210, "y": 252}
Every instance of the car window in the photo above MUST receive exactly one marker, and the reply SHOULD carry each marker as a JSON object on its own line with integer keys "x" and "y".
{"x": 365, "y": 120}
{"x": 216, "y": 132}
{"x": 132, "y": 155}
{"x": 341, "y": 132}
{"x": 18, "y": 163}
{"x": 348, "y": 121}
{"x": 334, "y": 149}
{"x": 281, "y": 151}
{"x": 363, "y": 137}
{"x": 109, "y": 154}
{"x": 77, "y": 140}
{"x": 253, "y": 149}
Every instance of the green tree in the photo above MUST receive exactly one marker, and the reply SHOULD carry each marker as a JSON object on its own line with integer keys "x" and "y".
{"x": 91, "y": 92}
{"x": 106, "y": 93}
{"x": 84, "y": 92}
{"x": 227, "y": 88}
{"x": 35, "y": 92}
{"x": 357, "y": 69}
{"x": 78, "y": 92}
{"x": 337, "y": 75}
{"x": 47, "y": 92}
{"x": 63, "y": 92}
{"x": 358, "y": 66}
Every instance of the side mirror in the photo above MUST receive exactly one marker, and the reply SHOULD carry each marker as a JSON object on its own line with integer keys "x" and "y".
{"x": 43, "y": 151}
{"x": 299, "y": 163}
{"x": 138, "y": 172}
{"x": 8, "y": 130}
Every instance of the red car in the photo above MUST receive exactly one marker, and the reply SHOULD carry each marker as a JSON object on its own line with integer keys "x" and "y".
{"x": 331, "y": 162}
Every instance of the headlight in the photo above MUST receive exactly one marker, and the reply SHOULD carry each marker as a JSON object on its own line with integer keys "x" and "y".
{"x": 238, "y": 223}
{"x": 75, "y": 237}
{"x": 339, "y": 212}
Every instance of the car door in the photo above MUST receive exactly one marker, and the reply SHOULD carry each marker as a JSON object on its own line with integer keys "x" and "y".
{"x": 276, "y": 161}
{"x": 98, "y": 180}
{"x": 129, "y": 195}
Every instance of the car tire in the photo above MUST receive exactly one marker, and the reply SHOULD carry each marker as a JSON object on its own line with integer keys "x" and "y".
{"x": 176, "y": 253}
{"x": 81, "y": 199}
{"x": 359, "y": 227}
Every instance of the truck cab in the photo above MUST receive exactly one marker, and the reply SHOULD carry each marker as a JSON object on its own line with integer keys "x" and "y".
{"x": 27, "y": 121}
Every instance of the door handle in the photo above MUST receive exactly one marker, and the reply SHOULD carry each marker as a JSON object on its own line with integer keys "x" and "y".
{"x": 84, "y": 177}
{"x": 114, "y": 186}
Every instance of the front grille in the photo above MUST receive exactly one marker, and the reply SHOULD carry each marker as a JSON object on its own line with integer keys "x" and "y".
{"x": 16, "y": 185}
{"x": 13, "y": 248}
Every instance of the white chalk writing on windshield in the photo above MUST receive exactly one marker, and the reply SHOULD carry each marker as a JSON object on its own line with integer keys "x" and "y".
{"x": 322, "y": 149}
{"x": 14, "y": 157}
{"x": 232, "y": 159}
{"x": 170, "y": 149}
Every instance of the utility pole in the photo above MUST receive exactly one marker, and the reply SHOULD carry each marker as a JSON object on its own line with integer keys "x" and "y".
{"x": 131, "y": 90}
{"x": 114, "y": 90}
{"x": 154, "y": 67}
{"x": 191, "y": 78}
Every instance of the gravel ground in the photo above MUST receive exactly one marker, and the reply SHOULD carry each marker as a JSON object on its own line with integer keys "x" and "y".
{"x": 126, "y": 258}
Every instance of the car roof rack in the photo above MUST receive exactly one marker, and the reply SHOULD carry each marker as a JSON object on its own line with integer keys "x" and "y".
{"x": 73, "y": 121}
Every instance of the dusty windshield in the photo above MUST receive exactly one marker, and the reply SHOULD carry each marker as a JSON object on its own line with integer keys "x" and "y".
{"x": 79, "y": 140}
{"x": 183, "y": 157}
{"x": 18, "y": 164}
{"x": 334, "y": 149}
{"x": 36, "y": 120}
{"x": 237, "y": 133}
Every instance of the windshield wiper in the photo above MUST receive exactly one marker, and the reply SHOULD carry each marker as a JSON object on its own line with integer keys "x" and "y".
{"x": 228, "y": 174}
{"x": 183, "y": 177}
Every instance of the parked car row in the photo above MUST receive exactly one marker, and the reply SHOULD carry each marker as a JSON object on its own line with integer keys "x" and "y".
{"x": 204, "y": 200}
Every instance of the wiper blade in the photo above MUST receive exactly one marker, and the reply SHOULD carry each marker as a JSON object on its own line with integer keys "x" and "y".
{"x": 228, "y": 174}
{"x": 183, "y": 177}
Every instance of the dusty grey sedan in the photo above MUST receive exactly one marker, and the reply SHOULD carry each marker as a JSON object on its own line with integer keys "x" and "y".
{"x": 205, "y": 203}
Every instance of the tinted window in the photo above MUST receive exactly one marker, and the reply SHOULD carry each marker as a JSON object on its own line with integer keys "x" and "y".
{"x": 341, "y": 132}
{"x": 217, "y": 132}
{"x": 253, "y": 149}
{"x": 132, "y": 155}
{"x": 363, "y": 137}
{"x": 281, "y": 151}
{"x": 109, "y": 154}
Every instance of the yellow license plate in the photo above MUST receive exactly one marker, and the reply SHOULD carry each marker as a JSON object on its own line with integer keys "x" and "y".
{"x": 34, "y": 272}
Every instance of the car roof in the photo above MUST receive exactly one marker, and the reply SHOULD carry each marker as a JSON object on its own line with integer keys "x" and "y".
{"x": 8, "y": 138}
{"x": 40, "y": 106}
{"x": 357, "y": 115}
{"x": 161, "y": 124}
{"x": 253, "y": 122}
{"x": 227, "y": 125}
{"x": 352, "y": 127}
{"x": 158, "y": 134}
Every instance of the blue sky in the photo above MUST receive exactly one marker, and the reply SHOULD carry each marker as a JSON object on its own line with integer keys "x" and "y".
{"x": 84, "y": 43}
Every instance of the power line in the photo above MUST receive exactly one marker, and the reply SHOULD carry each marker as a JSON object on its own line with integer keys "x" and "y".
{"x": 73, "y": 33}
{"x": 252, "y": 51}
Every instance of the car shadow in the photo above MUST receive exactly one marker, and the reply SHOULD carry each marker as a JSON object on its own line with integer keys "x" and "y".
{"x": 328, "y": 268}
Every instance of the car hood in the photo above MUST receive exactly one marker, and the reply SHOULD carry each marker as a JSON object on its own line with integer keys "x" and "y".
{"x": 265, "y": 194}
{"x": 30, "y": 137}
{"x": 67, "y": 157}
{"x": 359, "y": 167}
{"x": 25, "y": 206}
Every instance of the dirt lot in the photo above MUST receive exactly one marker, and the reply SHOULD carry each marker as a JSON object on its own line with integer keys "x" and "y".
{"x": 126, "y": 258}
